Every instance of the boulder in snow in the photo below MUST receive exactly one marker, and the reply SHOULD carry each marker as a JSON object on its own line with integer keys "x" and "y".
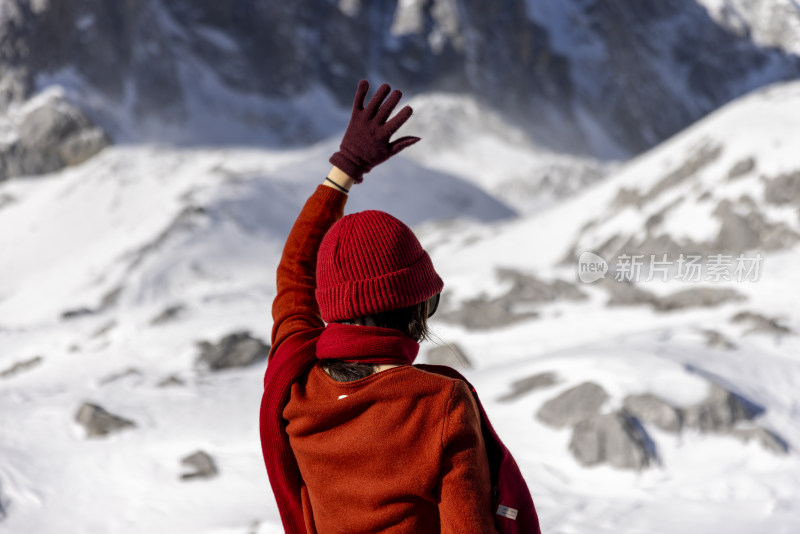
{"x": 783, "y": 189}
{"x": 524, "y": 292}
{"x": 98, "y": 422}
{"x": 573, "y": 406}
{"x": 741, "y": 168}
{"x": 623, "y": 293}
{"x": 529, "y": 384}
{"x": 527, "y": 288}
{"x": 170, "y": 381}
{"x": 238, "y": 349}
{"x": 616, "y": 439}
{"x": 20, "y": 367}
{"x": 699, "y": 297}
{"x": 761, "y": 324}
{"x": 719, "y": 411}
{"x": 201, "y": 464}
{"x": 450, "y": 354}
{"x": 767, "y": 439}
{"x": 716, "y": 340}
{"x": 649, "y": 408}
{"x": 168, "y": 314}
{"x": 51, "y": 134}
{"x": 482, "y": 314}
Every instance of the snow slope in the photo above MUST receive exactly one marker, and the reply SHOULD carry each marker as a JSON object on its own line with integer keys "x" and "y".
{"x": 138, "y": 230}
{"x": 702, "y": 483}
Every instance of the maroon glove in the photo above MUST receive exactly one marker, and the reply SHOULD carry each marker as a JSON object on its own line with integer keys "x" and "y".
{"x": 366, "y": 140}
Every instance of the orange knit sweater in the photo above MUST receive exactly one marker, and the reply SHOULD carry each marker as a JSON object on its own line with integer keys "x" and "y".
{"x": 400, "y": 451}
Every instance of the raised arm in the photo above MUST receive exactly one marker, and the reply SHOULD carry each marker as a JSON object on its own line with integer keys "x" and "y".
{"x": 295, "y": 308}
{"x": 365, "y": 144}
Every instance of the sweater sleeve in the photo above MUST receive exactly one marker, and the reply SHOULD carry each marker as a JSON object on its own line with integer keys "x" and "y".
{"x": 465, "y": 493}
{"x": 295, "y": 307}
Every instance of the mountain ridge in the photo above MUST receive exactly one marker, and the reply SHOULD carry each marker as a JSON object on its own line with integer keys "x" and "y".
{"x": 579, "y": 76}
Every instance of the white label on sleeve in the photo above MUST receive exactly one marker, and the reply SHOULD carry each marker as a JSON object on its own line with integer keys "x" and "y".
{"x": 505, "y": 511}
{"x": 342, "y": 397}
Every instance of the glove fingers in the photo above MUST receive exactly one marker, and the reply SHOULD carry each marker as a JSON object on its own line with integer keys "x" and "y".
{"x": 388, "y": 106}
{"x": 398, "y": 120}
{"x": 400, "y": 144}
{"x": 375, "y": 103}
{"x": 361, "y": 93}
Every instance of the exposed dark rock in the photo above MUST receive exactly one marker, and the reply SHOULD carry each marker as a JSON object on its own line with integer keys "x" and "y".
{"x": 108, "y": 301}
{"x": 238, "y": 349}
{"x": 105, "y": 328}
{"x": 202, "y": 465}
{"x": 514, "y": 305}
{"x": 747, "y": 229}
{"x": 627, "y": 197}
{"x": 616, "y": 439}
{"x": 700, "y": 297}
{"x": 482, "y": 314}
{"x": 783, "y": 189}
{"x": 741, "y": 168}
{"x": 736, "y": 234}
{"x": 169, "y": 381}
{"x": 649, "y": 408}
{"x": 450, "y": 354}
{"x": 767, "y": 439}
{"x": 126, "y": 373}
{"x": 76, "y": 313}
{"x": 6, "y": 200}
{"x": 527, "y": 385}
{"x": 719, "y": 411}
{"x": 110, "y": 298}
{"x": 20, "y": 367}
{"x": 573, "y": 406}
{"x": 716, "y": 340}
{"x": 51, "y": 136}
{"x": 81, "y": 146}
{"x": 761, "y": 324}
{"x": 656, "y": 219}
{"x": 170, "y": 313}
{"x": 98, "y": 422}
{"x": 625, "y": 293}
{"x": 703, "y": 155}
{"x": 526, "y": 288}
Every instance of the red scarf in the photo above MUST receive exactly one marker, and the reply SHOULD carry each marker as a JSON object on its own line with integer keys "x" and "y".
{"x": 370, "y": 345}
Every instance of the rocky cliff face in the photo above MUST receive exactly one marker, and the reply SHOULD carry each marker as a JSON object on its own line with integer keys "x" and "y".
{"x": 609, "y": 78}
{"x": 768, "y": 22}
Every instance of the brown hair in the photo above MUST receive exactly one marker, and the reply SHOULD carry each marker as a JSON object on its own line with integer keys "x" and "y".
{"x": 412, "y": 321}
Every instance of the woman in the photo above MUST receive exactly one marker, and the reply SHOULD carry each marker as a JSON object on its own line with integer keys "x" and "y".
{"x": 355, "y": 438}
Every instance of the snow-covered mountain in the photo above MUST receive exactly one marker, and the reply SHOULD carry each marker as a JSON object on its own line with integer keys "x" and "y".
{"x": 602, "y": 78}
{"x": 114, "y": 270}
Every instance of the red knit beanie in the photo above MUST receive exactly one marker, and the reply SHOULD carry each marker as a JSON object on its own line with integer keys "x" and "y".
{"x": 370, "y": 262}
